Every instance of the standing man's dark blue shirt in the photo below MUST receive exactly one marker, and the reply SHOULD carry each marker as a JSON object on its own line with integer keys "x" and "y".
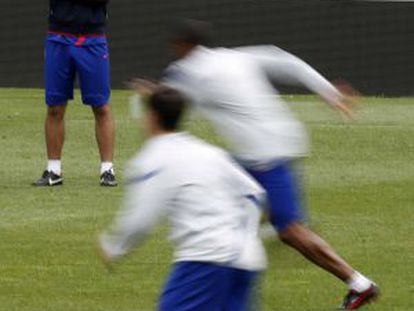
{"x": 78, "y": 16}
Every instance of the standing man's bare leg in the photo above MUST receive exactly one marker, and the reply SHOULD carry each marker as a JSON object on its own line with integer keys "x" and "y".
{"x": 55, "y": 131}
{"x": 105, "y": 137}
{"x": 55, "y": 136}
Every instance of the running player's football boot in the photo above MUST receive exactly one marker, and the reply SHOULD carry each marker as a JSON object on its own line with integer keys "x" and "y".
{"x": 354, "y": 299}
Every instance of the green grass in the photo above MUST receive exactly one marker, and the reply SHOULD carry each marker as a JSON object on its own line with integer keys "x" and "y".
{"x": 360, "y": 189}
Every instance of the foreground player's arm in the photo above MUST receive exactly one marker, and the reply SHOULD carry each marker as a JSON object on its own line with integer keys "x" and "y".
{"x": 286, "y": 68}
{"x": 145, "y": 200}
{"x": 243, "y": 183}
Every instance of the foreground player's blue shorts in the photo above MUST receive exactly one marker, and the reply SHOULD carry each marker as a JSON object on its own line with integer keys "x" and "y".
{"x": 281, "y": 185}
{"x": 68, "y": 56}
{"x": 198, "y": 286}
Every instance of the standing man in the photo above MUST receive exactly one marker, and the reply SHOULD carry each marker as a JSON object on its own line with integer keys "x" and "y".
{"x": 76, "y": 46}
{"x": 232, "y": 89}
{"x": 211, "y": 205}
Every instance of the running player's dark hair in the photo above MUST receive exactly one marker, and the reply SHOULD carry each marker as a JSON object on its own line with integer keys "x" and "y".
{"x": 168, "y": 105}
{"x": 192, "y": 31}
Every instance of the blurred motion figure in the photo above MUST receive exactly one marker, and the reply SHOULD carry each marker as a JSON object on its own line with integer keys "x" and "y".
{"x": 232, "y": 89}
{"x": 212, "y": 206}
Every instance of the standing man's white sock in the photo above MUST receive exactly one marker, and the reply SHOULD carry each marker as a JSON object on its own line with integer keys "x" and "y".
{"x": 107, "y": 166}
{"x": 54, "y": 166}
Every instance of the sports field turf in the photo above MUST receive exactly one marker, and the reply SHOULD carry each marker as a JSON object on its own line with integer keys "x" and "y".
{"x": 360, "y": 189}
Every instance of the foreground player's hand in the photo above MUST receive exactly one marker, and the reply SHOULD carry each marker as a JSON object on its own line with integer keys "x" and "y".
{"x": 143, "y": 86}
{"x": 105, "y": 259}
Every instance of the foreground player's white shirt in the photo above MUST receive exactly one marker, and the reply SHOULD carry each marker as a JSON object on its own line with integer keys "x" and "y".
{"x": 232, "y": 89}
{"x": 210, "y": 202}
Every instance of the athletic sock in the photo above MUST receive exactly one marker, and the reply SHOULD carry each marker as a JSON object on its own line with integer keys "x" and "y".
{"x": 358, "y": 282}
{"x": 107, "y": 166}
{"x": 54, "y": 166}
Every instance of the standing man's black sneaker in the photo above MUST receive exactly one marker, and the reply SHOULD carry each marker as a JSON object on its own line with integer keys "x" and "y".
{"x": 49, "y": 179}
{"x": 108, "y": 179}
{"x": 354, "y": 299}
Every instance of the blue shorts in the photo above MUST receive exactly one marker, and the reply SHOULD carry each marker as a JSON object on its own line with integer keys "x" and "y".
{"x": 282, "y": 187}
{"x": 85, "y": 56}
{"x": 198, "y": 286}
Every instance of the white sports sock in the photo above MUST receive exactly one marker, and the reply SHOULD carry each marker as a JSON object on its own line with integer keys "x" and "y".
{"x": 54, "y": 166}
{"x": 107, "y": 166}
{"x": 358, "y": 282}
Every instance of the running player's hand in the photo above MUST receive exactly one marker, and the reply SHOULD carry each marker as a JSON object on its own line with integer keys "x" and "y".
{"x": 346, "y": 110}
{"x": 350, "y": 97}
{"x": 143, "y": 86}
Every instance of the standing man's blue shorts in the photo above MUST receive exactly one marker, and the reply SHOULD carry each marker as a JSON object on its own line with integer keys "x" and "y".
{"x": 202, "y": 286}
{"x": 283, "y": 191}
{"x": 68, "y": 56}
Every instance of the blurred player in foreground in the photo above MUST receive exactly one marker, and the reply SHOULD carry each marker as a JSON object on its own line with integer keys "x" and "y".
{"x": 212, "y": 207}
{"x": 76, "y": 45}
{"x": 232, "y": 89}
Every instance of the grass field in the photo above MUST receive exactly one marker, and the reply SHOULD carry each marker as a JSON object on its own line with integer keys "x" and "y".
{"x": 360, "y": 189}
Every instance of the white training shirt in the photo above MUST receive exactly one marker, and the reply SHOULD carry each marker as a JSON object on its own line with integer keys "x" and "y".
{"x": 210, "y": 202}
{"x": 232, "y": 89}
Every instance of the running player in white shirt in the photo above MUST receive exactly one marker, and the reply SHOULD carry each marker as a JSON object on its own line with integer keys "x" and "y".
{"x": 232, "y": 89}
{"x": 212, "y": 205}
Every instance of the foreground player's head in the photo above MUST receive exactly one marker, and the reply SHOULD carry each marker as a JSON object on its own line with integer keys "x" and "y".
{"x": 165, "y": 108}
{"x": 187, "y": 34}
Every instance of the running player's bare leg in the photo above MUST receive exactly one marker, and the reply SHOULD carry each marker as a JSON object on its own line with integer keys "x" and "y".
{"x": 314, "y": 248}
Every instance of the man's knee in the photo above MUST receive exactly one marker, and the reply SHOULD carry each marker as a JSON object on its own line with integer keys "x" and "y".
{"x": 102, "y": 112}
{"x": 292, "y": 233}
{"x": 56, "y": 112}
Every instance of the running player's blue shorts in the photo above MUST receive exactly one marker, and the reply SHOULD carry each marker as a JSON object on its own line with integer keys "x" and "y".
{"x": 199, "y": 286}
{"x": 68, "y": 56}
{"x": 283, "y": 192}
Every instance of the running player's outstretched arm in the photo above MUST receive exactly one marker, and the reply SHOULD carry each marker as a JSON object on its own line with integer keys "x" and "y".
{"x": 144, "y": 203}
{"x": 142, "y": 86}
{"x": 286, "y": 68}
